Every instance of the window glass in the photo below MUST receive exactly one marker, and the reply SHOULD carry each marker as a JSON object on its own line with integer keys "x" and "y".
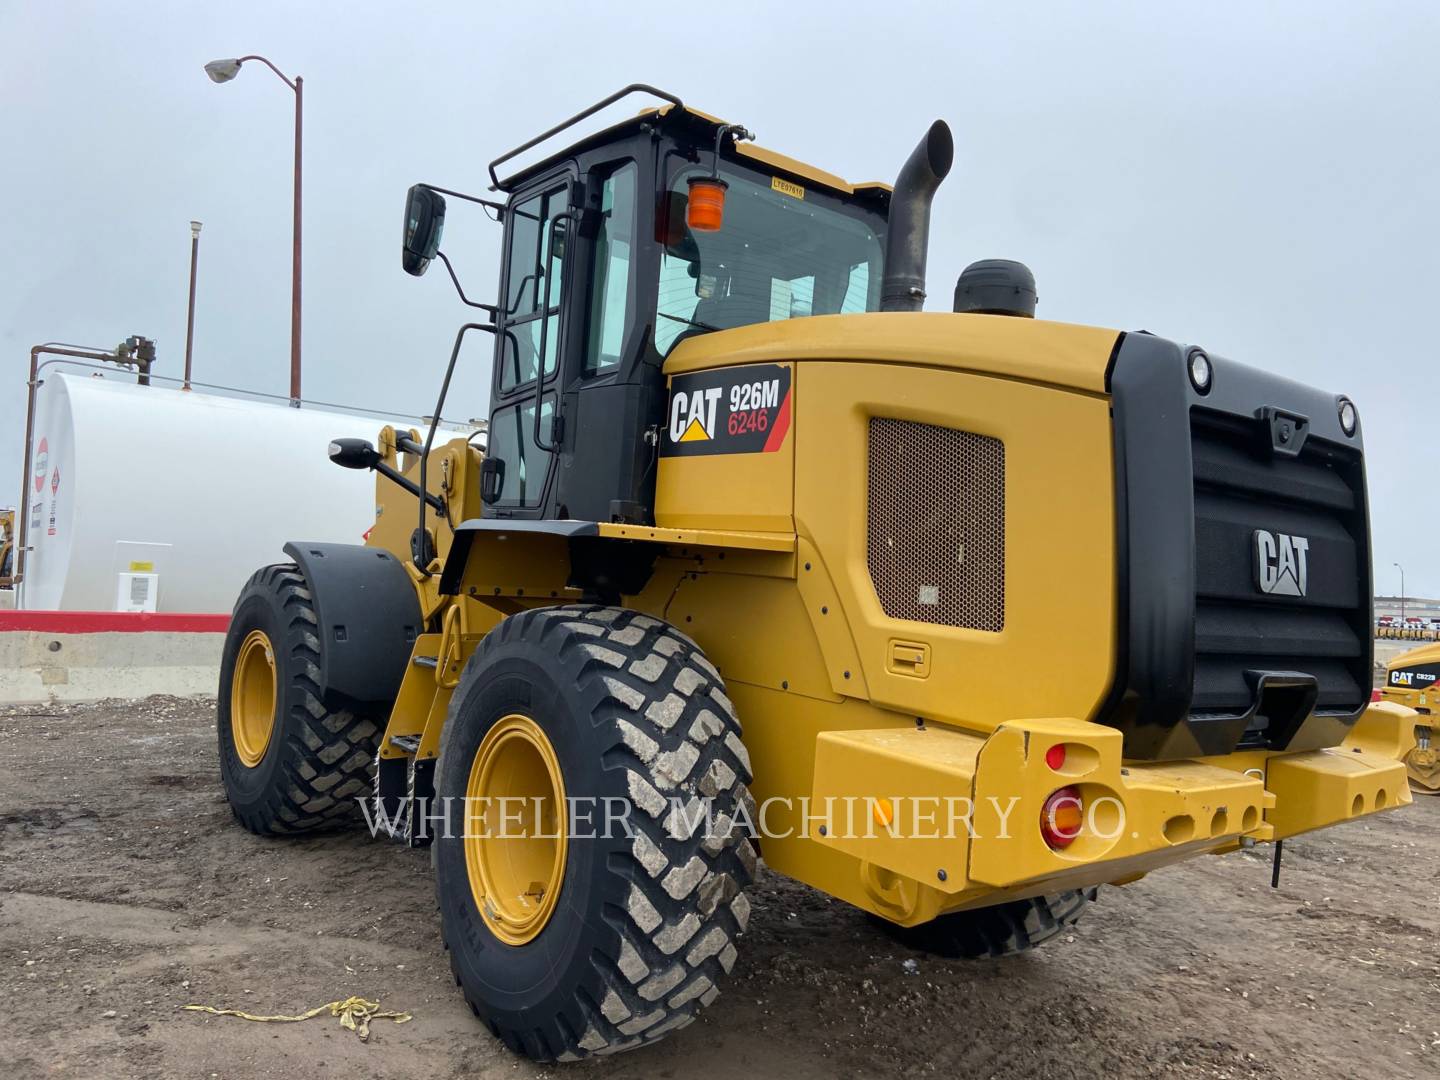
{"x": 775, "y": 257}
{"x": 611, "y": 292}
{"x": 511, "y": 439}
{"x": 857, "y": 292}
{"x": 522, "y": 347}
{"x": 792, "y": 299}
{"x": 524, "y": 241}
{"x": 530, "y": 233}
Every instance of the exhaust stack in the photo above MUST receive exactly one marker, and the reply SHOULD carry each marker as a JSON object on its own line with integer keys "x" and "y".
{"x": 903, "y": 287}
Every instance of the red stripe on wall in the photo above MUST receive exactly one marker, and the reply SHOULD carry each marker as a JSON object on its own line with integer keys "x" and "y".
{"x": 776, "y": 438}
{"x": 111, "y": 622}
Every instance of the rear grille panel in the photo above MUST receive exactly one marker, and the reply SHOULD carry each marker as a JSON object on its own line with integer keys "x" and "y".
{"x": 1241, "y": 486}
{"x": 936, "y": 544}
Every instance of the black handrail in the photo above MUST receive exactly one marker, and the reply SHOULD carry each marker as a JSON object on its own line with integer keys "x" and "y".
{"x": 572, "y": 214}
{"x": 633, "y": 88}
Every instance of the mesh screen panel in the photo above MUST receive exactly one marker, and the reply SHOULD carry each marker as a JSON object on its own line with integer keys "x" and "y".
{"x": 937, "y": 524}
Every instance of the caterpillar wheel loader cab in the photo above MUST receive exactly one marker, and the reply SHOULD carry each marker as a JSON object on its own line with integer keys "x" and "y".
{"x": 953, "y": 615}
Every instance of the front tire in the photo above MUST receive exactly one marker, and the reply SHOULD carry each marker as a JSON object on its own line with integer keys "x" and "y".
{"x": 639, "y": 929}
{"x": 292, "y": 760}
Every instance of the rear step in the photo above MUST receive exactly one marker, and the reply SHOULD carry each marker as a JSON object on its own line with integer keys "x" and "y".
{"x": 408, "y": 743}
{"x": 426, "y": 661}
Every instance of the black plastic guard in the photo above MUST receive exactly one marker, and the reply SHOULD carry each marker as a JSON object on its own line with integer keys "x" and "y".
{"x": 1206, "y": 662}
{"x": 369, "y": 617}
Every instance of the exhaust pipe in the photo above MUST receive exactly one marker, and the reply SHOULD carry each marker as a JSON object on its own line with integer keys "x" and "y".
{"x": 903, "y": 286}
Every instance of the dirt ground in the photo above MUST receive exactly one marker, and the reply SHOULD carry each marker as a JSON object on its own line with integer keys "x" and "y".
{"x": 126, "y": 890}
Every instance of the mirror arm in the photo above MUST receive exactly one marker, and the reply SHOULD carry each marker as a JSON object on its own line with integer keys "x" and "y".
{"x": 409, "y": 485}
{"x": 430, "y": 435}
{"x": 498, "y": 207}
{"x": 455, "y": 280}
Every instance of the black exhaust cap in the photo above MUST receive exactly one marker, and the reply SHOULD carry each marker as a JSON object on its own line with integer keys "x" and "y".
{"x": 996, "y": 287}
{"x": 903, "y": 287}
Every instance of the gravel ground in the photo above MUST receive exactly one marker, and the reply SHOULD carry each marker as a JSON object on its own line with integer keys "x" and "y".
{"x": 126, "y": 890}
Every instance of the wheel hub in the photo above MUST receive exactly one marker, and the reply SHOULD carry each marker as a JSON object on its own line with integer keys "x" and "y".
{"x": 515, "y": 826}
{"x": 252, "y": 698}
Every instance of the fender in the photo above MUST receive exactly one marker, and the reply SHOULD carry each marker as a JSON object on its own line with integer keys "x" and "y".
{"x": 369, "y": 617}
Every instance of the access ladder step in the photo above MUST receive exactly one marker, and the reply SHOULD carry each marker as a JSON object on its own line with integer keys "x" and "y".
{"x": 426, "y": 661}
{"x": 408, "y": 743}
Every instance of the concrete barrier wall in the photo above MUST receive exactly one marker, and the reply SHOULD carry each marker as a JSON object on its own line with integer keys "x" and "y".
{"x": 87, "y": 656}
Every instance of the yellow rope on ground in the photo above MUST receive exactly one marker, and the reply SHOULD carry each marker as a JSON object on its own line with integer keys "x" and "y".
{"x": 355, "y": 1013}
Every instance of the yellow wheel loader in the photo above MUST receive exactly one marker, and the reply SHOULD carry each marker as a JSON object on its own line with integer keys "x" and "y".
{"x": 955, "y": 616}
{"x": 1412, "y": 680}
{"x": 7, "y": 548}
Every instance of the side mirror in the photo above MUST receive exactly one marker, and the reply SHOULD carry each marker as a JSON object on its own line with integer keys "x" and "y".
{"x": 424, "y": 222}
{"x": 353, "y": 454}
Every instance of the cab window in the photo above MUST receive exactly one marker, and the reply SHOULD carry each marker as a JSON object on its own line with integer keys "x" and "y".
{"x": 610, "y": 291}
{"x": 777, "y": 256}
{"x": 512, "y": 440}
{"x": 529, "y": 264}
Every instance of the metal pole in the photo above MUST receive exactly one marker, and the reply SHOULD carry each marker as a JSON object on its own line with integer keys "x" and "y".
{"x": 295, "y": 270}
{"x": 190, "y": 315}
{"x": 1402, "y": 594}
{"x": 222, "y": 71}
{"x": 22, "y": 527}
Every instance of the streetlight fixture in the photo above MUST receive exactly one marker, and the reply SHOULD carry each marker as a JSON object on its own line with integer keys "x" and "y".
{"x": 1402, "y": 590}
{"x": 222, "y": 71}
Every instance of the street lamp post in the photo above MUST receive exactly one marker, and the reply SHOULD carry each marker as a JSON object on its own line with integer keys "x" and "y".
{"x": 222, "y": 71}
{"x": 1402, "y": 591}
{"x": 190, "y": 315}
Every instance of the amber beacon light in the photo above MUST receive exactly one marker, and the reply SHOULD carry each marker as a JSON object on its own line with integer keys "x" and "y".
{"x": 706, "y": 210}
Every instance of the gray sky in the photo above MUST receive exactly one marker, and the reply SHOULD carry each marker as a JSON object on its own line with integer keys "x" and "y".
{"x": 1259, "y": 179}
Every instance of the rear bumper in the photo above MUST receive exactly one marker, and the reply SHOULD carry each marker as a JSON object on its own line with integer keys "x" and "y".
{"x": 941, "y": 819}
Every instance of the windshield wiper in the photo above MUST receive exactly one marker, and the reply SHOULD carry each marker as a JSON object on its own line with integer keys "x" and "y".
{"x": 687, "y": 322}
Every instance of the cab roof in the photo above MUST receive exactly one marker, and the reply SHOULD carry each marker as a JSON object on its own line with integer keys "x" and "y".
{"x": 681, "y": 120}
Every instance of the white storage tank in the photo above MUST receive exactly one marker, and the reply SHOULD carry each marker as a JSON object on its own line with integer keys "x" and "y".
{"x": 151, "y": 499}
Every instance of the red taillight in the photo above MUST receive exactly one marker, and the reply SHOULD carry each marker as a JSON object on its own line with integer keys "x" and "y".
{"x": 1062, "y": 817}
{"x": 1055, "y": 757}
{"x": 1376, "y": 695}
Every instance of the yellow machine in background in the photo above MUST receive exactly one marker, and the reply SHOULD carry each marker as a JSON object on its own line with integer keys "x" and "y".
{"x": 1412, "y": 679}
{"x": 1007, "y": 608}
{"x": 7, "y": 548}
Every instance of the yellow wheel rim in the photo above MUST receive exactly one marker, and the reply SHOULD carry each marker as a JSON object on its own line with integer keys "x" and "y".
{"x": 515, "y": 825}
{"x": 252, "y": 698}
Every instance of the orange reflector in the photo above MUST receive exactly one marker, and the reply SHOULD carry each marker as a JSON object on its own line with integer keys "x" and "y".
{"x": 1055, "y": 756}
{"x": 706, "y": 212}
{"x": 883, "y": 812}
{"x": 1062, "y": 817}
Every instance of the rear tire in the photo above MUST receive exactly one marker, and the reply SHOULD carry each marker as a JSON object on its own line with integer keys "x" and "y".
{"x": 641, "y": 928}
{"x": 1001, "y": 930}
{"x": 305, "y": 772}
